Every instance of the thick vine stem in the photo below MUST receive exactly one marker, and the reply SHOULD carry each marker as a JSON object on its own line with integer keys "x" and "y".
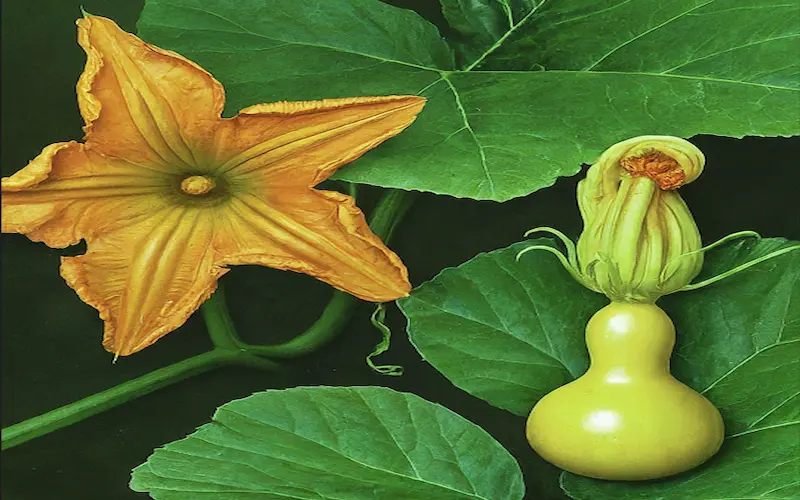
{"x": 218, "y": 320}
{"x": 336, "y": 314}
{"x": 59, "y": 418}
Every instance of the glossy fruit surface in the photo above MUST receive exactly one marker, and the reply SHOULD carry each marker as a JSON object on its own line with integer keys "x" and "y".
{"x": 627, "y": 417}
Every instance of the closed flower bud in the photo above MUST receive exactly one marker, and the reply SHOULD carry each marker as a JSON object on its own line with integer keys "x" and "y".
{"x": 639, "y": 240}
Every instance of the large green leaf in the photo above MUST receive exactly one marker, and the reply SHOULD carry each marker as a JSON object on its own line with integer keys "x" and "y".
{"x": 723, "y": 39}
{"x": 510, "y": 332}
{"x": 613, "y": 70}
{"x": 505, "y": 331}
{"x": 332, "y": 443}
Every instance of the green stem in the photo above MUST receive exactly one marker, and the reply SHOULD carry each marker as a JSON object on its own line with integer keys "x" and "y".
{"x": 102, "y": 401}
{"x": 219, "y": 323}
{"x": 336, "y": 314}
{"x": 226, "y": 351}
{"x": 389, "y": 212}
{"x": 352, "y": 190}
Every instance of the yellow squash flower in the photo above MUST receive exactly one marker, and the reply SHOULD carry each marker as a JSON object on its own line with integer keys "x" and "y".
{"x": 639, "y": 240}
{"x": 167, "y": 193}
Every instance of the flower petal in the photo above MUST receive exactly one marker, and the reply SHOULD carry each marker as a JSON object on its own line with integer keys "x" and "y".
{"x": 67, "y": 193}
{"x": 303, "y": 143}
{"x": 147, "y": 278}
{"x": 142, "y": 103}
{"x": 321, "y": 233}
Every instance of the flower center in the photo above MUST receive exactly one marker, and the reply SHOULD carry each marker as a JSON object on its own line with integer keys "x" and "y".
{"x": 197, "y": 184}
{"x": 660, "y": 167}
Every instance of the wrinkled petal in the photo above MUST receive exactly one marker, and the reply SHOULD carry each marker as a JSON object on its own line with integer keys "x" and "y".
{"x": 288, "y": 144}
{"x": 155, "y": 247}
{"x": 142, "y": 103}
{"x": 321, "y": 233}
{"x": 68, "y": 193}
{"x": 147, "y": 278}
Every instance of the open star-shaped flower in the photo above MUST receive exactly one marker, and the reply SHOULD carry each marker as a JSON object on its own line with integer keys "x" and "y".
{"x": 167, "y": 193}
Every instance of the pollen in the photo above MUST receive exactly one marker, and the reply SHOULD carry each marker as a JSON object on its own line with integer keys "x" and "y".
{"x": 662, "y": 168}
{"x": 197, "y": 184}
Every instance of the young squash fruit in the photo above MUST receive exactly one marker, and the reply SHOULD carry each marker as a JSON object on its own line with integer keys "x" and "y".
{"x": 627, "y": 417}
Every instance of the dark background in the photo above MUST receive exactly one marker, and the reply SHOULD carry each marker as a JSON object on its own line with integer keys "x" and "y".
{"x": 51, "y": 340}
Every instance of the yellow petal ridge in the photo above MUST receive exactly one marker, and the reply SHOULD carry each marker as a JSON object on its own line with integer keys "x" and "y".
{"x": 305, "y": 142}
{"x": 324, "y": 235}
{"x": 142, "y": 103}
{"x": 147, "y": 292}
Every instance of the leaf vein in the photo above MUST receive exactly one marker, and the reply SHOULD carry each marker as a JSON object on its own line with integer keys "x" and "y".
{"x": 731, "y": 49}
{"x": 644, "y": 33}
{"x": 243, "y": 29}
{"x": 468, "y": 126}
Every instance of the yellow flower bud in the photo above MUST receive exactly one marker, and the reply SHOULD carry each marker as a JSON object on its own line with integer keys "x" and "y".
{"x": 639, "y": 240}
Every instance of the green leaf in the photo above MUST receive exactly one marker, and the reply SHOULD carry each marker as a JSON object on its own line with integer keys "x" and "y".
{"x": 480, "y": 23}
{"x": 507, "y": 332}
{"x": 511, "y": 332}
{"x": 332, "y": 443}
{"x": 613, "y": 70}
{"x": 739, "y": 344}
{"x": 731, "y": 320}
{"x": 723, "y": 39}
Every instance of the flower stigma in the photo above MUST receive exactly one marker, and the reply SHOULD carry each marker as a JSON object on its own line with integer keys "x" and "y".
{"x": 660, "y": 167}
{"x": 197, "y": 185}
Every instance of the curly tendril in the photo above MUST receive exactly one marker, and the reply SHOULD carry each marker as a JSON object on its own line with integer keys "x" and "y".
{"x": 377, "y": 320}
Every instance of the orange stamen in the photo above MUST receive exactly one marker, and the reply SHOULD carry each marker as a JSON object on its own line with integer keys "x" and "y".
{"x": 662, "y": 168}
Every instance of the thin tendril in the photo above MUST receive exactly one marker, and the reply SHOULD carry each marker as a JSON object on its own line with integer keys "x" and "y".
{"x": 742, "y": 267}
{"x": 725, "y": 239}
{"x": 617, "y": 285}
{"x": 377, "y": 321}
{"x": 561, "y": 258}
{"x": 572, "y": 253}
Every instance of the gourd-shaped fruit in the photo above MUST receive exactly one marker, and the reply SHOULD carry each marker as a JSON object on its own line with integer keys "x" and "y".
{"x": 627, "y": 417}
